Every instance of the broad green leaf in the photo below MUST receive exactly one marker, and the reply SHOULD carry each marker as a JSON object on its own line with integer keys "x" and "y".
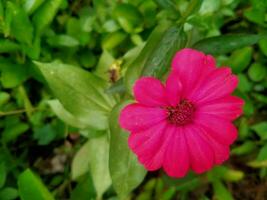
{"x": 104, "y": 65}
{"x": 261, "y": 129}
{"x": 31, "y": 5}
{"x": 21, "y": 26}
{"x": 8, "y": 193}
{"x": 220, "y": 191}
{"x": 244, "y": 84}
{"x": 4, "y": 98}
{"x": 80, "y": 92}
{"x": 65, "y": 115}
{"x": 8, "y": 46}
{"x": 262, "y": 154}
{"x": 62, "y": 41}
{"x": 98, "y": 164}
{"x": 12, "y": 74}
{"x": 31, "y": 187}
{"x": 263, "y": 46}
{"x": 80, "y": 163}
{"x": 125, "y": 170}
{"x": 84, "y": 189}
{"x": 135, "y": 68}
{"x": 159, "y": 60}
{"x": 12, "y": 132}
{"x": 34, "y": 50}
{"x": 46, "y": 134}
{"x": 256, "y": 15}
{"x": 257, "y": 72}
{"x": 240, "y": 59}
{"x": 114, "y": 39}
{"x": 226, "y": 43}
{"x": 129, "y": 17}
{"x": 245, "y": 148}
{"x": 192, "y": 8}
{"x": 261, "y": 160}
{"x": 45, "y": 14}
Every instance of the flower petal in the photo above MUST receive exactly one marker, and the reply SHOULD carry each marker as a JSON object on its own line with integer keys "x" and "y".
{"x": 190, "y": 65}
{"x": 136, "y": 117}
{"x": 218, "y": 83}
{"x": 229, "y": 107}
{"x": 221, "y": 152}
{"x": 149, "y": 145}
{"x": 176, "y": 159}
{"x": 218, "y": 128}
{"x": 150, "y": 91}
{"x": 201, "y": 154}
{"x": 173, "y": 88}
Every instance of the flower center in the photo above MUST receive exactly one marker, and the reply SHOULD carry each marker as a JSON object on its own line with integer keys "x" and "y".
{"x": 181, "y": 114}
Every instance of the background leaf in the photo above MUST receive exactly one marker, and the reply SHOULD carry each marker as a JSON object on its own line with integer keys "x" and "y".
{"x": 125, "y": 170}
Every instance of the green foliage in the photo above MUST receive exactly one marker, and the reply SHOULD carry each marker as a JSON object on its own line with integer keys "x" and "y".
{"x": 68, "y": 67}
{"x": 126, "y": 173}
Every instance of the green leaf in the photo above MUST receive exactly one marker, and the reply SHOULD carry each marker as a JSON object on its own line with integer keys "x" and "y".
{"x": 244, "y": 84}
{"x": 104, "y": 65}
{"x": 80, "y": 163}
{"x": 129, "y": 17}
{"x": 65, "y": 115}
{"x": 31, "y": 187}
{"x": 45, "y": 14}
{"x": 21, "y": 26}
{"x": 80, "y": 92}
{"x": 159, "y": 60}
{"x": 114, "y": 39}
{"x": 8, "y": 193}
{"x": 62, "y": 41}
{"x": 226, "y": 43}
{"x": 221, "y": 191}
{"x": 257, "y": 72}
{"x": 135, "y": 68}
{"x": 125, "y": 170}
{"x": 13, "y": 131}
{"x": 12, "y": 74}
{"x": 31, "y": 5}
{"x": 84, "y": 190}
{"x": 245, "y": 148}
{"x": 98, "y": 164}
{"x": 263, "y": 46}
{"x": 240, "y": 59}
{"x": 192, "y": 8}
{"x": 261, "y": 129}
{"x": 7, "y": 46}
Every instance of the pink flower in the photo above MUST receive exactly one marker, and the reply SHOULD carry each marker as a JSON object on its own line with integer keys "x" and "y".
{"x": 186, "y": 123}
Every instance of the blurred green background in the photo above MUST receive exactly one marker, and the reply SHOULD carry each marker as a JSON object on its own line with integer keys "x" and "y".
{"x": 50, "y": 153}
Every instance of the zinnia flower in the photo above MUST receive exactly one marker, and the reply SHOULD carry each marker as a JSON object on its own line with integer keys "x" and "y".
{"x": 186, "y": 123}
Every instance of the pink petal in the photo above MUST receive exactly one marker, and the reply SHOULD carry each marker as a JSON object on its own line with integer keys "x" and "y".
{"x": 201, "y": 154}
{"x": 229, "y": 107}
{"x": 176, "y": 161}
{"x": 219, "y": 83}
{"x": 191, "y": 65}
{"x": 221, "y": 152}
{"x": 221, "y": 130}
{"x": 150, "y": 91}
{"x": 173, "y": 88}
{"x": 149, "y": 145}
{"x": 136, "y": 117}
